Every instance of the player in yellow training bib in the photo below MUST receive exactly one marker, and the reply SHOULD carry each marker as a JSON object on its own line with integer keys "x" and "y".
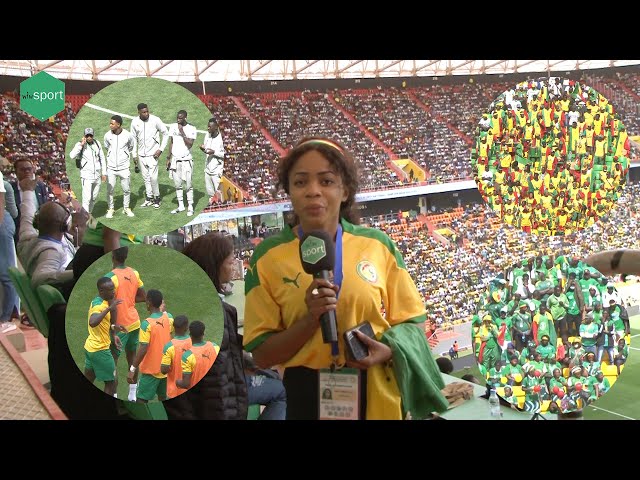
{"x": 98, "y": 362}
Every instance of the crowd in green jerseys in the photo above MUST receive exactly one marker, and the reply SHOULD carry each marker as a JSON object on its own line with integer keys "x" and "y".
{"x": 551, "y": 158}
{"x": 554, "y": 330}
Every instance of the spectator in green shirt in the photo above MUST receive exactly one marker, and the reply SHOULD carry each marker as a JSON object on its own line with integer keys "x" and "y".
{"x": 615, "y": 313}
{"x": 574, "y": 308}
{"x": 589, "y": 334}
{"x": 621, "y": 354}
{"x": 603, "y": 385}
{"x": 532, "y": 388}
{"x": 593, "y": 298}
{"x": 545, "y": 349}
{"x": 521, "y": 323}
{"x": 591, "y": 364}
{"x": 605, "y": 338}
{"x": 495, "y": 374}
{"x": 576, "y": 352}
{"x": 510, "y": 397}
{"x": 557, "y": 380}
{"x": 513, "y": 371}
{"x": 544, "y": 286}
{"x": 597, "y": 313}
{"x": 513, "y": 304}
{"x": 576, "y": 385}
{"x": 504, "y": 320}
{"x": 543, "y": 326}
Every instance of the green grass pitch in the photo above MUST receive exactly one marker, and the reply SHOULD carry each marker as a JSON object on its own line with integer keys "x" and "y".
{"x": 186, "y": 288}
{"x": 164, "y": 99}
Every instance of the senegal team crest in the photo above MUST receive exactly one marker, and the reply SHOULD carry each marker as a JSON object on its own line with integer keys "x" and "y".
{"x": 367, "y": 271}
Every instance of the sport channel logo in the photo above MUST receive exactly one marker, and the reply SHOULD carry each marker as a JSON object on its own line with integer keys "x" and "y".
{"x": 313, "y": 250}
{"x": 42, "y": 96}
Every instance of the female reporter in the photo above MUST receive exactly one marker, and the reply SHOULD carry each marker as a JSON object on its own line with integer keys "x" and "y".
{"x": 370, "y": 283}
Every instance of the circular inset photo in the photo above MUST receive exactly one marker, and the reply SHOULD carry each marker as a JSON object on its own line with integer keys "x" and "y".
{"x": 144, "y": 156}
{"x": 551, "y": 156}
{"x": 552, "y": 336}
{"x": 138, "y": 330}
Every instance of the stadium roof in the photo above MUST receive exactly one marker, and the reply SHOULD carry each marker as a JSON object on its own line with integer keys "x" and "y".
{"x": 238, "y": 70}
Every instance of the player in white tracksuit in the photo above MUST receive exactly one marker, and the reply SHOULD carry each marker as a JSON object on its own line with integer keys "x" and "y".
{"x": 93, "y": 167}
{"x": 119, "y": 144}
{"x": 146, "y": 130}
{"x": 180, "y": 161}
{"x": 213, "y": 149}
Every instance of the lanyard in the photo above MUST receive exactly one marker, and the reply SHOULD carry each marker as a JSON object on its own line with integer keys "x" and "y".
{"x": 337, "y": 278}
{"x": 337, "y": 268}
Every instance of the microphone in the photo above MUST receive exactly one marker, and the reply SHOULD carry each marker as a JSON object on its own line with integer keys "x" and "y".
{"x": 317, "y": 255}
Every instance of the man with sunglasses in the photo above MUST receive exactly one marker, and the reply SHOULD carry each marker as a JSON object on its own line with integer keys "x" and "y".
{"x": 93, "y": 167}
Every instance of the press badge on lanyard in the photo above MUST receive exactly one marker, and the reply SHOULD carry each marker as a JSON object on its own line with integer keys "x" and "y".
{"x": 339, "y": 394}
{"x": 339, "y": 388}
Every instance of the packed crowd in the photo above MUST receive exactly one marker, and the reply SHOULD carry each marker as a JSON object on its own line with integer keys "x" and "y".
{"x": 469, "y": 263}
{"x": 433, "y": 125}
{"x": 617, "y": 230}
{"x": 551, "y": 156}
{"x": 24, "y": 137}
{"x": 312, "y": 114}
{"x": 437, "y": 137}
{"x": 451, "y": 277}
{"x": 250, "y": 159}
{"x": 551, "y": 328}
{"x": 621, "y": 89}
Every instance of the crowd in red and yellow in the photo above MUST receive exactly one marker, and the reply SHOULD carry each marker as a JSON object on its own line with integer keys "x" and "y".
{"x": 551, "y": 157}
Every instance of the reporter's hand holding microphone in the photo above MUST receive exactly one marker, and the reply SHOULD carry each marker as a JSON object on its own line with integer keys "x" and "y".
{"x": 321, "y": 298}
{"x": 317, "y": 254}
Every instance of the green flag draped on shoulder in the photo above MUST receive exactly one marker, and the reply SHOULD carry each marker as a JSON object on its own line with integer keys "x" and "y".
{"x": 418, "y": 376}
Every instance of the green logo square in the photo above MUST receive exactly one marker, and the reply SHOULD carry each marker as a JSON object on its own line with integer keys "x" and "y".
{"x": 313, "y": 250}
{"x": 42, "y": 96}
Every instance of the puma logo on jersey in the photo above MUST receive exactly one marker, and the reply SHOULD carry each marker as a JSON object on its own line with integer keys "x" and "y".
{"x": 206, "y": 355}
{"x": 294, "y": 281}
{"x": 128, "y": 279}
{"x": 159, "y": 323}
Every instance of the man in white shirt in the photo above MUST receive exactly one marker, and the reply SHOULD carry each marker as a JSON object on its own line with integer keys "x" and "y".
{"x": 93, "y": 167}
{"x": 146, "y": 130}
{"x": 213, "y": 149}
{"x": 119, "y": 144}
{"x": 485, "y": 122}
{"x": 555, "y": 88}
{"x": 611, "y": 294}
{"x": 180, "y": 161}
